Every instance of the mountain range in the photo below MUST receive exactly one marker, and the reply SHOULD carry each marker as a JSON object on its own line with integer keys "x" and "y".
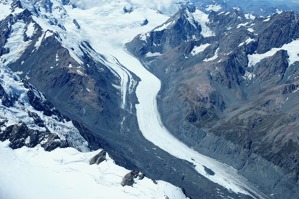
{"x": 137, "y": 99}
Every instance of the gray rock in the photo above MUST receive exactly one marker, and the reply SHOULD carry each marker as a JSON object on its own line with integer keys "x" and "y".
{"x": 20, "y": 135}
{"x": 128, "y": 180}
{"x": 97, "y": 159}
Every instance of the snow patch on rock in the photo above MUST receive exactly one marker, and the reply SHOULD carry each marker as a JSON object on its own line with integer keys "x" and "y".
{"x": 198, "y": 49}
{"x": 203, "y": 19}
{"x": 291, "y": 48}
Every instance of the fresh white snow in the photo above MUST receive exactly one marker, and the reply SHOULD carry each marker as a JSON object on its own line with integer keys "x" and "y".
{"x": 242, "y": 24}
{"x": 250, "y": 16}
{"x": 5, "y": 10}
{"x": 291, "y": 48}
{"x": 150, "y": 54}
{"x": 168, "y": 7}
{"x": 30, "y": 30}
{"x": 15, "y": 43}
{"x": 65, "y": 173}
{"x": 215, "y": 56}
{"x": 164, "y": 26}
{"x": 247, "y": 41}
{"x": 198, "y": 49}
{"x": 250, "y": 29}
{"x": 213, "y": 7}
{"x": 203, "y": 20}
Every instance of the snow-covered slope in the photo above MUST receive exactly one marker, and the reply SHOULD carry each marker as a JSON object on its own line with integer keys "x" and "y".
{"x": 164, "y": 6}
{"x": 66, "y": 173}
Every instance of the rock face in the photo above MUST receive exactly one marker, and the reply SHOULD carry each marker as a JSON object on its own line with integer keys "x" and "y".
{"x": 20, "y": 135}
{"x": 97, "y": 159}
{"x": 73, "y": 77}
{"x": 181, "y": 27}
{"x": 128, "y": 179}
{"x": 28, "y": 119}
{"x": 226, "y": 99}
{"x": 216, "y": 96}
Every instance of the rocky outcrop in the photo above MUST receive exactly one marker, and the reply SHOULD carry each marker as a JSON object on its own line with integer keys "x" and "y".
{"x": 176, "y": 30}
{"x": 97, "y": 159}
{"x": 6, "y": 99}
{"x": 281, "y": 29}
{"x": 240, "y": 114}
{"x": 20, "y": 135}
{"x": 128, "y": 179}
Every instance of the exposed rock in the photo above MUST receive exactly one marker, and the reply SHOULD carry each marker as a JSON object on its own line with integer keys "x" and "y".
{"x": 181, "y": 28}
{"x": 274, "y": 67}
{"x": 128, "y": 180}
{"x": 128, "y": 9}
{"x": 209, "y": 171}
{"x": 7, "y": 100}
{"x": 246, "y": 116}
{"x": 40, "y": 104}
{"x": 281, "y": 29}
{"x": 76, "y": 24}
{"x": 141, "y": 176}
{"x": 97, "y": 159}
{"x": 20, "y": 135}
{"x": 37, "y": 120}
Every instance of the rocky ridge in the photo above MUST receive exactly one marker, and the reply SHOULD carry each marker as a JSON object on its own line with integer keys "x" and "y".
{"x": 231, "y": 92}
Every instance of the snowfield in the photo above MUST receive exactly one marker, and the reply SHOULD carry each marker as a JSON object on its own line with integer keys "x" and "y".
{"x": 65, "y": 173}
{"x": 291, "y": 48}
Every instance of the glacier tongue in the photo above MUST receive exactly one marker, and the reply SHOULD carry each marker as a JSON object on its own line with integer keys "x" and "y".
{"x": 107, "y": 28}
{"x": 95, "y": 26}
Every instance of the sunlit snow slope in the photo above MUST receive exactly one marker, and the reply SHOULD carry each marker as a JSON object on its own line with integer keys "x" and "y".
{"x": 66, "y": 173}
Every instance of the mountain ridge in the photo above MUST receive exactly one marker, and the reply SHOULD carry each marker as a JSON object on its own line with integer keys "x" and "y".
{"x": 208, "y": 70}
